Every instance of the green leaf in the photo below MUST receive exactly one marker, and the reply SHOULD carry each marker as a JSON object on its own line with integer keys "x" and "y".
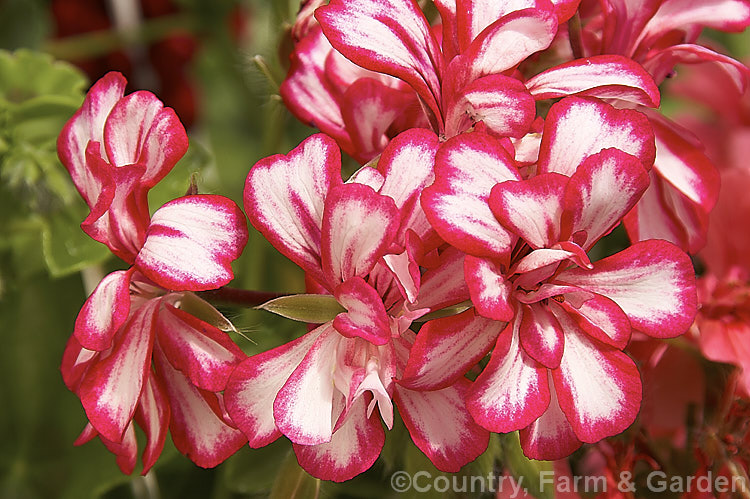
{"x": 447, "y": 311}
{"x": 66, "y": 247}
{"x": 313, "y": 309}
{"x": 527, "y": 472}
{"x": 292, "y": 482}
{"x": 253, "y": 471}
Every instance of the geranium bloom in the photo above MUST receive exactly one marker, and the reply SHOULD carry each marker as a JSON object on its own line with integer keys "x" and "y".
{"x": 558, "y": 322}
{"x": 405, "y": 76}
{"x": 660, "y": 34}
{"x": 137, "y": 353}
{"x": 360, "y": 241}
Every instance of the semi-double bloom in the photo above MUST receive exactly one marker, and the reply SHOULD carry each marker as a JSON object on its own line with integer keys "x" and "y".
{"x": 145, "y": 348}
{"x": 363, "y": 242}
{"x": 556, "y": 323}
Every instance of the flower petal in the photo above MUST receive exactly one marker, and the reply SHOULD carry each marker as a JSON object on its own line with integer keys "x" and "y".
{"x": 598, "y": 387}
{"x": 353, "y": 449}
{"x": 303, "y": 407}
{"x": 192, "y": 241}
{"x": 111, "y": 387}
{"x": 445, "y": 350}
{"x": 256, "y": 381}
{"x": 541, "y": 336}
{"x": 602, "y": 319}
{"x": 602, "y": 76}
{"x": 512, "y": 390}
{"x": 358, "y": 225}
{"x": 197, "y": 424}
{"x": 489, "y": 289}
{"x": 389, "y": 37}
{"x": 365, "y": 316}
{"x": 104, "y": 311}
{"x": 201, "y": 352}
{"x": 284, "y": 198}
{"x": 440, "y": 425}
{"x": 531, "y": 208}
{"x": 466, "y": 168}
{"x": 153, "y": 416}
{"x": 601, "y": 192}
{"x": 653, "y": 282}
{"x": 576, "y": 128}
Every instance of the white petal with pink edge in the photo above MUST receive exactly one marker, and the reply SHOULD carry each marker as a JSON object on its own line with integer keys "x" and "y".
{"x": 390, "y": 37}
{"x": 578, "y": 127}
{"x": 531, "y": 208}
{"x": 440, "y": 425}
{"x": 206, "y": 355}
{"x": 653, "y": 282}
{"x": 358, "y": 225}
{"x": 303, "y": 407}
{"x": 551, "y": 436}
{"x": 466, "y": 168}
{"x": 104, "y": 311}
{"x": 447, "y": 348}
{"x": 354, "y": 447}
{"x": 601, "y": 192}
{"x": 512, "y": 390}
{"x": 111, "y": 387}
{"x": 602, "y": 76}
{"x": 192, "y": 241}
{"x": 541, "y": 336}
{"x": 365, "y": 315}
{"x": 254, "y": 384}
{"x": 489, "y": 289}
{"x": 598, "y": 387}
{"x": 284, "y": 197}
{"x": 153, "y": 416}
{"x": 197, "y": 423}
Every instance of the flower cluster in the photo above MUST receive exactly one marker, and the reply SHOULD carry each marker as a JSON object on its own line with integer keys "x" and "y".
{"x": 499, "y": 145}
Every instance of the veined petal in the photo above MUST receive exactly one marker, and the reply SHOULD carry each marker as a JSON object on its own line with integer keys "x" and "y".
{"x": 303, "y": 407}
{"x": 139, "y": 129}
{"x": 256, "y": 381}
{"x": 192, "y": 241}
{"x": 544, "y": 257}
{"x": 365, "y": 316}
{"x": 443, "y": 285}
{"x": 104, "y": 311}
{"x": 551, "y": 436}
{"x": 598, "y": 387}
{"x": 473, "y": 17}
{"x": 661, "y": 62}
{"x": 602, "y": 319}
{"x": 86, "y": 125}
{"x": 201, "y": 352}
{"x": 541, "y": 336}
{"x": 488, "y": 287}
{"x": 76, "y": 361}
{"x": 284, "y": 198}
{"x": 500, "y": 102}
{"x": 512, "y": 390}
{"x": 390, "y": 37}
{"x": 505, "y": 43}
{"x": 153, "y": 416}
{"x": 531, "y": 208}
{"x": 111, "y": 387}
{"x": 602, "y": 76}
{"x": 407, "y": 165}
{"x": 601, "y": 192}
{"x": 466, "y": 168}
{"x": 576, "y": 128}
{"x": 440, "y": 425}
{"x": 197, "y": 423}
{"x": 358, "y": 225}
{"x": 445, "y": 350}
{"x": 653, "y": 282}
{"x": 353, "y": 449}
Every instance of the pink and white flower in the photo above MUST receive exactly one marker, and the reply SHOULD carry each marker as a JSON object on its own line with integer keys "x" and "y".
{"x": 555, "y": 322}
{"x": 137, "y": 354}
{"x": 361, "y": 241}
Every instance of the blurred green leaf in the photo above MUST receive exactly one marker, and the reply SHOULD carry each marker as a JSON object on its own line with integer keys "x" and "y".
{"x": 292, "y": 482}
{"x": 66, "y": 247}
{"x": 253, "y": 471}
{"x": 526, "y": 471}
